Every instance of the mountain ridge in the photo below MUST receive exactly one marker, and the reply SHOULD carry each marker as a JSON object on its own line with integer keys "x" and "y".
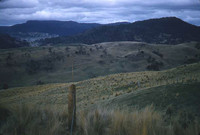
{"x": 167, "y": 30}
{"x": 62, "y": 28}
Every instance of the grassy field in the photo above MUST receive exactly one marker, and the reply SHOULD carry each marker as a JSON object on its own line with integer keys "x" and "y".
{"x": 90, "y": 92}
{"x": 143, "y": 103}
{"x": 44, "y": 65}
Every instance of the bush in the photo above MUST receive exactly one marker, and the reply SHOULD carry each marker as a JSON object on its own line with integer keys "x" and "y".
{"x": 155, "y": 66}
{"x": 39, "y": 82}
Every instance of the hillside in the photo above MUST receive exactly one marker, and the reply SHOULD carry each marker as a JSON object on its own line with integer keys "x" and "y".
{"x": 119, "y": 103}
{"x": 39, "y": 65}
{"x": 178, "y": 87}
{"x": 169, "y": 30}
{"x": 7, "y": 42}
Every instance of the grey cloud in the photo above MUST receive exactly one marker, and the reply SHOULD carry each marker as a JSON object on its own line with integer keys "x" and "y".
{"x": 104, "y": 11}
{"x": 18, "y": 4}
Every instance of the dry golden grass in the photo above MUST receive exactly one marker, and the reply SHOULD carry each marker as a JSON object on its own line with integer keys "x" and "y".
{"x": 33, "y": 121}
{"x": 30, "y": 120}
{"x": 146, "y": 121}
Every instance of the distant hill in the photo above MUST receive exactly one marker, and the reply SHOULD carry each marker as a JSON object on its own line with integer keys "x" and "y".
{"x": 34, "y": 30}
{"x": 117, "y": 23}
{"x": 169, "y": 30}
{"x": 7, "y": 41}
{"x": 61, "y": 28}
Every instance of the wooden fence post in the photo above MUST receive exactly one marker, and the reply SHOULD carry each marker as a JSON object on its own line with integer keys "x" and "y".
{"x": 72, "y": 107}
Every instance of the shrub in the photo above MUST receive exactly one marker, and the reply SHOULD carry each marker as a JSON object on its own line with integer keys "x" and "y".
{"x": 50, "y": 50}
{"x": 39, "y": 82}
{"x": 155, "y": 66}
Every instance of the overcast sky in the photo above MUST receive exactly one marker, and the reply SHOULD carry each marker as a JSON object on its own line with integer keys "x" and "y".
{"x": 98, "y": 11}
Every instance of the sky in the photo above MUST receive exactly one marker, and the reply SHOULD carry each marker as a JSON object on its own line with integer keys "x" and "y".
{"x": 97, "y": 11}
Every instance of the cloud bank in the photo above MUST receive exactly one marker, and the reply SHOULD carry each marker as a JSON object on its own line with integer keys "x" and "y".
{"x": 98, "y": 11}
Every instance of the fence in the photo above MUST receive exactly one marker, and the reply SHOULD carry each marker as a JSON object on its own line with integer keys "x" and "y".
{"x": 72, "y": 108}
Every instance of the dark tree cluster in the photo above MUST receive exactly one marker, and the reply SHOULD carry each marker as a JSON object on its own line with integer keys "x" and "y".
{"x": 39, "y": 82}
{"x": 191, "y": 60}
{"x": 155, "y": 66}
{"x": 91, "y": 50}
{"x": 105, "y": 51}
{"x": 98, "y": 47}
{"x": 81, "y": 51}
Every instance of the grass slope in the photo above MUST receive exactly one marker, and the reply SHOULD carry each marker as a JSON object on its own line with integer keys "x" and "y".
{"x": 178, "y": 97}
{"x": 99, "y": 90}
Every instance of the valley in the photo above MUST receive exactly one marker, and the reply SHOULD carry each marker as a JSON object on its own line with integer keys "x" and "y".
{"x": 53, "y": 64}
